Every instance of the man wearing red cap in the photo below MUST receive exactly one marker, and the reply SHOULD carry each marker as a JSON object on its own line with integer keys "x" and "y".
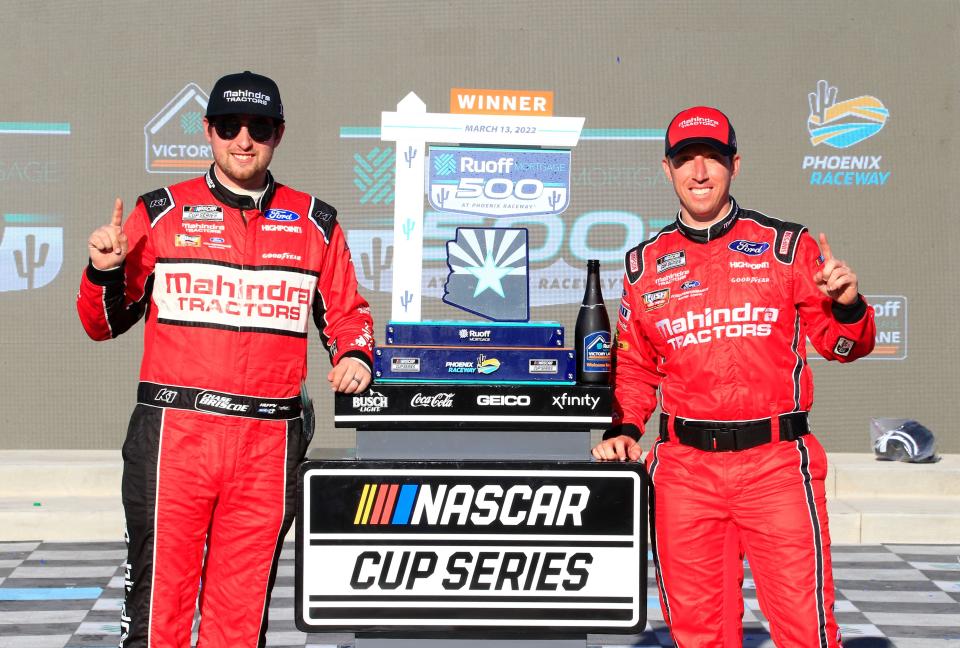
{"x": 716, "y": 311}
{"x": 228, "y": 268}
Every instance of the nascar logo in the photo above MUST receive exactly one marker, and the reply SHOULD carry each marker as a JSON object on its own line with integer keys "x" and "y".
{"x": 461, "y": 504}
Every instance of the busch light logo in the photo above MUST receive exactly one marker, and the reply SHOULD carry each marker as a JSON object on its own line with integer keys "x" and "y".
{"x": 31, "y": 251}
{"x": 284, "y": 215}
{"x": 749, "y": 247}
{"x": 499, "y": 182}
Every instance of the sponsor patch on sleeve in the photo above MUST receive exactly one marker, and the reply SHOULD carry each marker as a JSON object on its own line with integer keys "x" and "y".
{"x": 844, "y": 346}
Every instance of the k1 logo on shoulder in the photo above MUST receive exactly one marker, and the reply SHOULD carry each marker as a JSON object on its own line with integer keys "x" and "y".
{"x": 844, "y": 124}
{"x": 415, "y": 544}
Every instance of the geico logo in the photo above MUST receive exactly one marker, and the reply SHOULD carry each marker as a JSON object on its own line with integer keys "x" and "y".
{"x": 184, "y": 283}
{"x": 497, "y": 400}
{"x": 462, "y": 504}
{"x": 472, "y": 570}
{"x": 182, "y": 150}
{"x": 503, "y": 165}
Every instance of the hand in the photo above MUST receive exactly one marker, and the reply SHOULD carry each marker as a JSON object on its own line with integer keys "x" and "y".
{"x": 620, "y": 448}
{"x": 834, "y": 278}
{"x": 349, "y": 376}
{"x": 108, "y": 244}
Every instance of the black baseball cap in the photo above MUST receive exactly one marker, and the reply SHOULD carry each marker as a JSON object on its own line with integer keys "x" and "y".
{"x": 245, "y": 93}
{"x": 700, "y": 125}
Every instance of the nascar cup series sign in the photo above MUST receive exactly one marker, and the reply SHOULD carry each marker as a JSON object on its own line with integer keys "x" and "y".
{"x": 499, "y": 181}
{"x": 474, "y": 548}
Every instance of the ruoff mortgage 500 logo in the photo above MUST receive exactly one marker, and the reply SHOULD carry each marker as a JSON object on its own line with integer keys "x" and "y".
{"x": 841, "y": 125}
{"x": 499, "y": 182}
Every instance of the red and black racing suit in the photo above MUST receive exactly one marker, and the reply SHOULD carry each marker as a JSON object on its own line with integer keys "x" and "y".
{"x": 717, "y": 321}
{"x": 211, "y": 453}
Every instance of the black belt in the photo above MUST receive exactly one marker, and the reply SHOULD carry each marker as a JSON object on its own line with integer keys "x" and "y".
{"x": 207, "y": 400}
{"x": 728, "y": 436}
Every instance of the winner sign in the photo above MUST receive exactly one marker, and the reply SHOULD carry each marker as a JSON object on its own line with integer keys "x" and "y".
{"x": 446, "y": 547}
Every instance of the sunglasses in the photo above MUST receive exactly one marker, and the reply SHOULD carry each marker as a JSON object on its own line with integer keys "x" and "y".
{"x": 261, "y": 129}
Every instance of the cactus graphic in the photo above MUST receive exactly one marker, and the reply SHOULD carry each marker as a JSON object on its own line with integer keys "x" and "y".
{"x": 406, "y": 300}
{"x": 554, "y": 200}
{"x": 372, "y": 266}
{"x": 408, "y": 226}
{"x": 442, "y": 196}
{"x": 409, "y": 156}
{"x": 28, "y": 262}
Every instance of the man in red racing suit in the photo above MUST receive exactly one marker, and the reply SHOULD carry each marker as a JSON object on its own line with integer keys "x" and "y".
{"x": 715, "y": 315}
{"x": 228, "y": 268}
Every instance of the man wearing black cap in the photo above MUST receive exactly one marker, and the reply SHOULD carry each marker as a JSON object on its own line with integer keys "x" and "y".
{"x": 228, "y": 268}
{"x": 716, "y": 311}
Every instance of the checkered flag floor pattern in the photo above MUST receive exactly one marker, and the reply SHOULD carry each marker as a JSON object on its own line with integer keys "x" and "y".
{"x": 68, "y": 595}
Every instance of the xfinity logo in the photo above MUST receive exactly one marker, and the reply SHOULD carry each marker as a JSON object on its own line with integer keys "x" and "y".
{"x": 216, "y": 401}
{"x": 507, "y": 400}
{"x": 565, "y": 400}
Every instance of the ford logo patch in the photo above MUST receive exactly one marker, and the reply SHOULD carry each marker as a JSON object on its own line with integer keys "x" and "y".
{"x": 284, "y": 215}
{"x": 687, "y": 285}
{"x": 749, "y": 247}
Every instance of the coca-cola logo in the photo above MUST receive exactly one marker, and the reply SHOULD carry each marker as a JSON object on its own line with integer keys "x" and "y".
{"x": 442, "y": 399}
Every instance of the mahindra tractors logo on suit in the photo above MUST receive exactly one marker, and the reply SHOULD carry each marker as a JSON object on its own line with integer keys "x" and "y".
{"x": 202, "y": 293}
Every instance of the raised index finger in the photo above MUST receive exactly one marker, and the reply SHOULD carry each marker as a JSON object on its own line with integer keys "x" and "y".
{"x": 825, "y": 247}
{"x": 117, "y": 213}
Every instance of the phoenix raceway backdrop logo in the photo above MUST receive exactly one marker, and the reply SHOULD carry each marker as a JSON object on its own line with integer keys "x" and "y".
{"x": 31, "y": 251}
{"x": 174, "y": 137}
{"x": 842, "y": 125}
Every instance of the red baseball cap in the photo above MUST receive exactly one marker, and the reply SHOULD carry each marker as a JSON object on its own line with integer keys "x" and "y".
{"x": 700, "y": 125}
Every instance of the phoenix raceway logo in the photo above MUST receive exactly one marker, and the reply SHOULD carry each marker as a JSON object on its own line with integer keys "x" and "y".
{"x": 31, "y": 251}
{"x": 174, "y": 137}
{"x": 841, "y": 125}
